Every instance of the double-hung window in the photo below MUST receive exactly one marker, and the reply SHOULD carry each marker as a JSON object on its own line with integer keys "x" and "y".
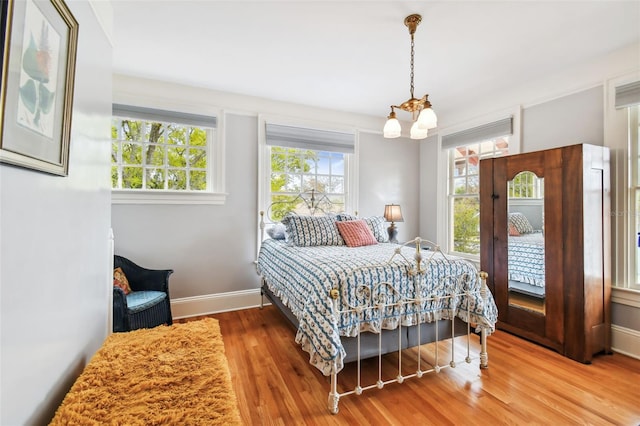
{"x": 299, "y": 163}
{"x": 463, "y": 151}
{"x": 628, "y": 96}
{"x": 158, "y": 154}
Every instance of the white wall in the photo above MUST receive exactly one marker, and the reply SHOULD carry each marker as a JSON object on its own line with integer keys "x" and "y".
{"x": 212, "y": 247}
{"x": 54, "y": 263}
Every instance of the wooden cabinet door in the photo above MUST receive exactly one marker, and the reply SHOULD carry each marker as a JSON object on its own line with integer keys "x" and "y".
{"x": 544, "y": 325}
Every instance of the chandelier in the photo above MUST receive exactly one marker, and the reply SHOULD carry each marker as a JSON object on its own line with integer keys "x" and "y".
{"x": 422, "y": 115}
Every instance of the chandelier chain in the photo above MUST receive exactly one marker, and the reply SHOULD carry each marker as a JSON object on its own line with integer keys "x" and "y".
{"x": 412, "y": 50}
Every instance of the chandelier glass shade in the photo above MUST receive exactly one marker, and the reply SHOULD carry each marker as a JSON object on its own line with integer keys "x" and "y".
{"x": 421, "y": 112}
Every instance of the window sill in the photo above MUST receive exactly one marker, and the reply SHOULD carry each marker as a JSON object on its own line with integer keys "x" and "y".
{"x": 166, "y": 197}
{"x": 470, "y": 257}
{"x": 625, "y": 296}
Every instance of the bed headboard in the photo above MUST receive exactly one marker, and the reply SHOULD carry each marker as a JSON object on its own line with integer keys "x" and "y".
{"x": 309, "y": 203}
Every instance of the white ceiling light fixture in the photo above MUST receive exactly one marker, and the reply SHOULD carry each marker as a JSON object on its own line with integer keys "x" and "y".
{"x": 421, "y": 112}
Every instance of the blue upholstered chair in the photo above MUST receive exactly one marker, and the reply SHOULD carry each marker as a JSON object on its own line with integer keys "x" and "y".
{"x": 148, "y": 305}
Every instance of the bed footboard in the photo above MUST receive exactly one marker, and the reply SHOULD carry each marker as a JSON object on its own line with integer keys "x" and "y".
{"x": 380, "y": 303}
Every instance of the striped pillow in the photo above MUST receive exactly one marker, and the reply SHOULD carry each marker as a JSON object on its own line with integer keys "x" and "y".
{"x": 356, "y": 233}
{"x": 521, "y": 223}
{"x": 307, "y": 231}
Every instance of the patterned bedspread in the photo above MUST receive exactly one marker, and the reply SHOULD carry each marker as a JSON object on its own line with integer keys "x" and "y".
{"x": 526, "y": 259}
{"x": 302, "y": 278}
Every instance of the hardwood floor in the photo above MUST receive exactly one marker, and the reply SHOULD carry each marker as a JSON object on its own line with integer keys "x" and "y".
{"x": 525, "y": 383}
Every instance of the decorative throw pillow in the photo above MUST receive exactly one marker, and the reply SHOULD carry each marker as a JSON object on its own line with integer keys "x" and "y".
{"x": 277, "y": 231}
{"x": 120, "y": 280}
{"x": 376, "y": 224}
{"x": 513, "y": 232}
{"x": 346, "y": 216}
{"x": 307, "y": 231}
{"x": 356, "y": 233}
{"x": 521, "y": 223}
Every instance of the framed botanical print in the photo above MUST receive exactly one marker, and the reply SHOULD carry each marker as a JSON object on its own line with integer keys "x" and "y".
{"x": 38, "y": 69}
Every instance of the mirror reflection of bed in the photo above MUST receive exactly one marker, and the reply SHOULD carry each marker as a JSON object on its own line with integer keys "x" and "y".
{"x": 526, "y": 242}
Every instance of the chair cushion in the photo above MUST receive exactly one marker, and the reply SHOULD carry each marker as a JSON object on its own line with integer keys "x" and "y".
{"x": 138, "y": 301}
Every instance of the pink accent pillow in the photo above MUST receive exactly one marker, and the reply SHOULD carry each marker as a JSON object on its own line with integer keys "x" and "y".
{"x": 356, "y": 233}
{"x": 513, "y": 231}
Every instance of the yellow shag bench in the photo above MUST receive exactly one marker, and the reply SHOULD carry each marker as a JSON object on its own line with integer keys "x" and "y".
{"x": 165, "y": 375}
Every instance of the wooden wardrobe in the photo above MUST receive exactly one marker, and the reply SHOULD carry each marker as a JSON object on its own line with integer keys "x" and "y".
{"x": 573, "y": 316}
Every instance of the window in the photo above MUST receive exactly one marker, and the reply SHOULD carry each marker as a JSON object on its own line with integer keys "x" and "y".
{"x": 634, "y": 139}
{"x": 526, "y": 185}
{"x": 623, "y": 129}
{"x": 162, "y": 152}
{"x": 464, "y": 150}
{"x": 296, "y": 170}
{"x": 306, "y": 161}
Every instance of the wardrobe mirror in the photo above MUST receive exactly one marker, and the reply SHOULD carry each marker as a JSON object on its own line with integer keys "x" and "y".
{"x": 526, "y": 266}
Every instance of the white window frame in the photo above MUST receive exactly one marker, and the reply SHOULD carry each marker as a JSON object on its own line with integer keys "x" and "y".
{"x": 264, "y": 160}
{"x": 616, "y": 125}
{"x": 444, "y": 223}
{"x": 634, "y": 191}
{"x": 215, "y": 195}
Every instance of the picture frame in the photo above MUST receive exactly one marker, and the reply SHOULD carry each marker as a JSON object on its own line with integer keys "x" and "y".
{"x": 38, "y": 73}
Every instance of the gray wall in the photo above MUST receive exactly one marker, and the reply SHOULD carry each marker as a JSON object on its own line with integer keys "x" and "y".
{"x": 212, "y": 247}
{"x": 428, "y": 176}
{"x": 388, "y": 170}
{"x": 54, "y": 263}
{"x": 569, "y": 120}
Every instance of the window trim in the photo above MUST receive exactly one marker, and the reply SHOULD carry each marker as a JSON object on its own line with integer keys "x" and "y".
{"x": 216, "y": 195}
{"x": 442, "y": 195}
{"x": 137, "y": 196}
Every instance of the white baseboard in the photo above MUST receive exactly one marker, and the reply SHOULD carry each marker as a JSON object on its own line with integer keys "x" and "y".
{"x": 625, "y": 341}
{"x": 212, "y": 303}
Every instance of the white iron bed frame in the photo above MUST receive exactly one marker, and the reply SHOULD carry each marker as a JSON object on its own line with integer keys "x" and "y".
{"x": 432, "y": 332}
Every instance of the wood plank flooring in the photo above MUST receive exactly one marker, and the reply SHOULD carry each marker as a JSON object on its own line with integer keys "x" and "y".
{"x": 525, "y": 383}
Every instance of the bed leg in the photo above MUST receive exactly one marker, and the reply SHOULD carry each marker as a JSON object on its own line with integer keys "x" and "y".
{"x": 484, "y": 356}
{"x": 261, "y": 297}
{"x": 334, "y": 397}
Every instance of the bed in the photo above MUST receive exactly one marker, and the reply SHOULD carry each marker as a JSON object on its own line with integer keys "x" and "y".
{"x": 351, "y": 303}
{"x": 526, "y": 265}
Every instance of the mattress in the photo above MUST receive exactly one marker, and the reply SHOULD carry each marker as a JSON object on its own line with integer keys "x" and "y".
{"x": 302, "y": 277}
{"x": 526, "y": 259}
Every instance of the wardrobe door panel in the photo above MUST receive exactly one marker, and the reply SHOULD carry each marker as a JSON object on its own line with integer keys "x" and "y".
{"x": 572, "y": 313}
{"x": 554, "y": 248}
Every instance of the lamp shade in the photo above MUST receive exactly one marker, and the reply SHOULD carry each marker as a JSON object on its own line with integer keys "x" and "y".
{"x": 392, "y": 213}
{"x": 417, "y": 132}
{"x": 392, "y": 128}
{"x": 427, "y": 119}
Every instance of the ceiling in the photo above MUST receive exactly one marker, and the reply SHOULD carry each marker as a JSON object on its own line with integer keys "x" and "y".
{"x": 354, "y": 55}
